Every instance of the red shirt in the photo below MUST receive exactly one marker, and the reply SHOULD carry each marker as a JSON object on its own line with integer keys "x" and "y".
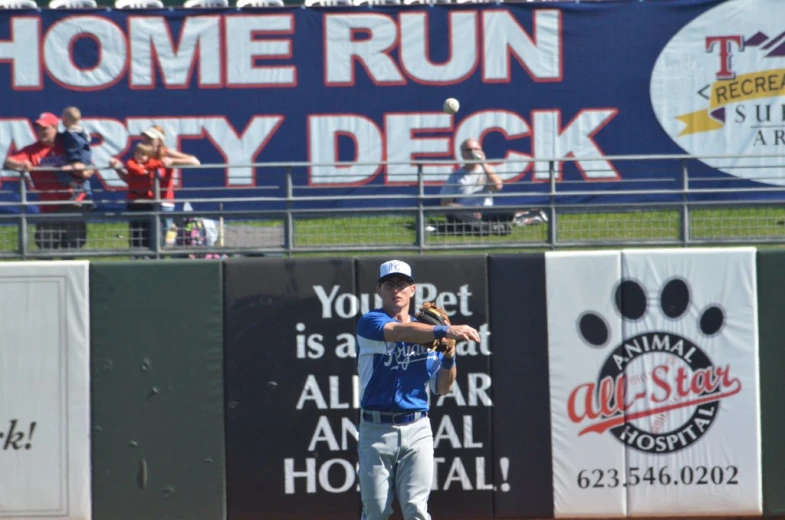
{"x": 141, "y": 179}
{"x": 46, "y": 183}
{"x": 167, "y": 181}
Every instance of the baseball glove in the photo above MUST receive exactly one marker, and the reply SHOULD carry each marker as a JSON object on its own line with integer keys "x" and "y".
{"x": 431, "y": 314}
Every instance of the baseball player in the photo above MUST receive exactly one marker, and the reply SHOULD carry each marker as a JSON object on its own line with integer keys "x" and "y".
{"x": 395, "y": 365}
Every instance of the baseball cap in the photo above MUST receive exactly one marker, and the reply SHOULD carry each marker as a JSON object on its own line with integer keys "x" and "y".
{"x": 154, "y": 133}
{"x": 395, "y": 267}
{"x": 47, "y": 119}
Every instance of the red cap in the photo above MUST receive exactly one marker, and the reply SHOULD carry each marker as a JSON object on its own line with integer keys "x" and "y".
{"x": 47, "y": 119}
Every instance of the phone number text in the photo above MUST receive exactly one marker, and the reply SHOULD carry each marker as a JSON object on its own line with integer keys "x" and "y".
{"x": 636, "y": 476}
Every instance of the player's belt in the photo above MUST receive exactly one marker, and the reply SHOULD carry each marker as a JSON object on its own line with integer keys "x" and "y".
{"x": 392, "y": 417}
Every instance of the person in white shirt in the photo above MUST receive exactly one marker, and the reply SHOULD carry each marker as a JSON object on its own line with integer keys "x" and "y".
{"x": 473, "y": 186}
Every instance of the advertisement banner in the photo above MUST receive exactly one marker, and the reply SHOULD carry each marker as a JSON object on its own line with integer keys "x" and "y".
{"x": 291, "y": 388}
{"x": 730, "y": 103}
{"x": 44, "y": 391}
{"x": 582, "y": 323}
{"x": 689, "y": 360}
{"x": 366, "y": 85}
{"x": 655, "y": 354}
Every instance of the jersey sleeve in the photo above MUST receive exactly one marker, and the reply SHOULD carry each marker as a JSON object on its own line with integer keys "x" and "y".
{"x": 371, "y": 325}
{"x": 432, "y": 380}
{"x": 22, "y": 155}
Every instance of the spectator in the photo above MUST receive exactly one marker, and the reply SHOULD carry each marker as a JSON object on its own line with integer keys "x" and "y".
{"x": 139, "y": 174}
{"x": 149, "y": 162}
{"x": 48, "y": 152}
{"x": 155, "y": 137}
{"x": 472, "y": 186}
{"x": 76, "y": 142}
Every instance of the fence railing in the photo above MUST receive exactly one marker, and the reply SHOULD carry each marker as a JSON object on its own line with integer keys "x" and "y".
{"x": 279, "y": 218}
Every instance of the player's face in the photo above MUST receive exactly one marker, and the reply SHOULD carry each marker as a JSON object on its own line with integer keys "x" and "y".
{"x": 396, "y": 292}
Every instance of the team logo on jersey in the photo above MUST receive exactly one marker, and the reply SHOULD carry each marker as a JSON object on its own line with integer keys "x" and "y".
{"x": 718, "y": 85}
{"x": 403, "y": 354}
{"x": 658, "y": 391}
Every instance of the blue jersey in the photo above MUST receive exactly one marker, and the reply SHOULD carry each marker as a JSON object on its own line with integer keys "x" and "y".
{"x": 393, "y": 375}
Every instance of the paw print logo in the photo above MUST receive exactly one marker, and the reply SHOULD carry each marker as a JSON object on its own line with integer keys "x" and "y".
{"x": 657, "y": 391}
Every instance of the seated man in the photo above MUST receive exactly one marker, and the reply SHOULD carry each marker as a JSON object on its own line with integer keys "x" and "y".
{"x": 473, "y": 186}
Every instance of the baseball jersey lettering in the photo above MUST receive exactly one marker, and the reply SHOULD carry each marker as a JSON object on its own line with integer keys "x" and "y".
{"x": 392, "y": 375}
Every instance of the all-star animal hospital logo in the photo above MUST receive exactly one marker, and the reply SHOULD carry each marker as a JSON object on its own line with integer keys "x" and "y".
{"x": 658, "y": 391}
{"x": 717, "y": 88}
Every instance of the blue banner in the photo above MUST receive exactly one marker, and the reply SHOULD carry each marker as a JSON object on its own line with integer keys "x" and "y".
{"x": 574, "y": 81}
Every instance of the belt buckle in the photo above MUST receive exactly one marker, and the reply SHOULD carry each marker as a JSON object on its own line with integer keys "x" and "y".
{"x": 403, "y": 420}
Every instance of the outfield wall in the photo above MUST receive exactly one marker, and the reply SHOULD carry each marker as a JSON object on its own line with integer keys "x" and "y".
{"x": 607, "y": 384}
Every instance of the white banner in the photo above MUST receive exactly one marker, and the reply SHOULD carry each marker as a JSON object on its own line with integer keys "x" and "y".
{"x": 582, "y": 326}
{"x": 44, "y": 391}
{"x": 677, "y": 393}
{"x": 694, "y": 432}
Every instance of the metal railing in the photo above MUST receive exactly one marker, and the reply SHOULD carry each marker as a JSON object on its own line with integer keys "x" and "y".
{"x": 675, "y": 209}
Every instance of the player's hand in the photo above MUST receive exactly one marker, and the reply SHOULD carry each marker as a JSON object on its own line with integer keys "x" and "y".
{"x": 463, "y": 333}
{"x": 449, "y": 349}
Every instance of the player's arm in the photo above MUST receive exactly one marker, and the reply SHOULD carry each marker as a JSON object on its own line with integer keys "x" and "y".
{"x": 415, "y": 332}
{"x": 446, "y": 376}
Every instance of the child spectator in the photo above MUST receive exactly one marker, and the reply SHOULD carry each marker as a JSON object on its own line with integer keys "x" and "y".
{"x": 76, "y": 143}
{"x": 139, "y": 174}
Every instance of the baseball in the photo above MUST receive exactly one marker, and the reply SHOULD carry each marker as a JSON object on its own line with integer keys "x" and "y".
{"x": 451, "y": 105}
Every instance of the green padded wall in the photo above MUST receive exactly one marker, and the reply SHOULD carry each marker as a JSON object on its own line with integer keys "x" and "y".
{"x": 771, "y": 302}
{"x": 157, "y": 390}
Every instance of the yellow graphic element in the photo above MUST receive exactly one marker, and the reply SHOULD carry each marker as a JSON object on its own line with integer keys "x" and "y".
{"x": 747, "y": 87}
{"x": 697, "y": 122}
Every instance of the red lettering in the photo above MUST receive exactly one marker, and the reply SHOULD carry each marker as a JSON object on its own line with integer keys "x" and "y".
{"x": 621, "y": 391}
{"x": 659, "y": 381}
{"x": 727, "y": 380}
{"x": 681, "y": 377}
{"x": 606, "y": 394}
{"x": 724, "y": 42}
{"x": 588, "y": 405}
{"x": 698, "y": 381}
{"x": 608, "y": 398}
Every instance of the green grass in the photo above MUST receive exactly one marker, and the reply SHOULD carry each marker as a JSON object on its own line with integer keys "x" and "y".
{"x": 759, "y": 225}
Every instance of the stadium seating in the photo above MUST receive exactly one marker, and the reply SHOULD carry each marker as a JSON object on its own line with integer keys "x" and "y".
{"x": 18, "y": 4}
{"x": 139, "y": 4}
{"x": 260, "y": 3}
{"x": 72, "y": 4}
{"x": 206, "y": 4}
